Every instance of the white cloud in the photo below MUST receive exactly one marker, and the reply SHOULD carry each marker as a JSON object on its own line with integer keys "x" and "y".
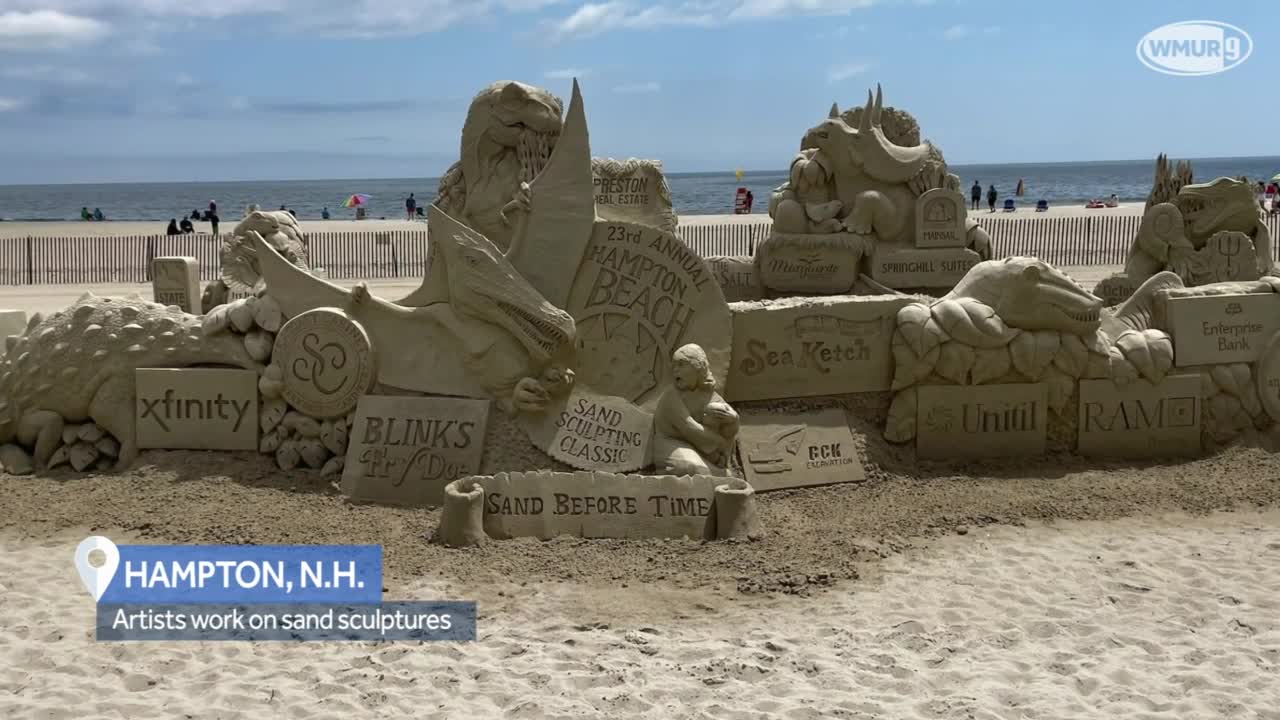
{"x": 775, "y": 8}
{"x": 635, "y": 88}
{"x": 955, "y": 32}
{"x": 595, "y": 18}
{"x": 47, "y": 29}
{"x": 11, "y": 104}
{"x": 565, "y": 74}
{"x": 840, "y": 73}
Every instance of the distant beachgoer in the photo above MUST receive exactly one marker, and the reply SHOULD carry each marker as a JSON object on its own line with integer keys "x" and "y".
{"x": 85, "y": 214}
{"x": 991, "y": 197}
{"x": 1020, "y": 189}
{"x": 1113, "y": 201}
{"x": 252, "y": 208}
{"x": 195, "y": 214}
{"x": 1262, "y": 195}
{"x": 213, "y": 222}
{"x": 410, "y": 206}
{"x": 186, "y": 226}
{"x": 750, "y": 199}
{"x": 324, "y": 213}
{"x": 173, "y": 227}
{"x": 293, "y": 212}
{"x": 97, "y": 215}
{"x": 213, "y": 208}
{"x": 975, "y": 195}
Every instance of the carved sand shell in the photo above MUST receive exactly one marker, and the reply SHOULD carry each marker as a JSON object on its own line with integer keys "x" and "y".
{"x": 271, "y": 413}
{"x": 258, "y": 344}
{"x": 60, "y": 456}
{"x": 955, "y": 359}
{"x": 70, "y": 433}
{"x": 216, "y": 320}
{"x": 920, "y": 331}
{"x": 333, "y": 467}
{"x": 90, "y": 432}
{"x": 82, "y": 455}
{"x": 1122, "y": 371}
{"x": 908, "y": 368}
{"x": 972, "y": 322}
{"x": 990, "y": 364}
{"x": 1073, "y": 356}
{"x": 301, "y": 425}
{"x": 313, "y": 452}
{"x": 108, "y": 446}
{"x": 269, "y": 443}
{"x": 1061, "y": 387}
{"x": 900, "y": 427}
{"x": 241, "y": 314}
{"x": 1150, "y": 352}
{"x": 1225, "y": 417}
{"x": 1032, "y": 352}
{"x": 334, "y": 436}
{"x": 267, "y": 314}
{"x": 287, "y": 455}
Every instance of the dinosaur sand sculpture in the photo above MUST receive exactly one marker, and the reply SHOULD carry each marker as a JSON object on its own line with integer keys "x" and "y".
{"x": 78, "y": 364}
{"x": 1030, "y": 294}
{"x": 855, "y": 179}
{"x": 481, "y": 330}
{"x": 1182, "y": 216}
{"x": 507, "y": 138}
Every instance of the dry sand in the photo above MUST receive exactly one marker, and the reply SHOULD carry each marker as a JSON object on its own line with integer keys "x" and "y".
{"x": 1052, "y": 590}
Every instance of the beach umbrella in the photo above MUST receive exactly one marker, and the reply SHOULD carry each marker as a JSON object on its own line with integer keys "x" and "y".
{"x": 1275, "y": 178}
{"x": 356, "y": 200}
{"x": 738, "y": 174}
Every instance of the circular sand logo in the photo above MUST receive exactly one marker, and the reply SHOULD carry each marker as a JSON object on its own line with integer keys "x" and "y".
{"x": 327, "y": 361}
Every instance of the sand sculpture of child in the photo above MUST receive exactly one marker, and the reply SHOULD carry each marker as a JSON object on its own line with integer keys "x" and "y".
{"x": 693, "y": 428}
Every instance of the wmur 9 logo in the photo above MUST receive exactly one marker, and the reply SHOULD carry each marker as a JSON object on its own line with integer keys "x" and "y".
{"x": 1194, "y": 47}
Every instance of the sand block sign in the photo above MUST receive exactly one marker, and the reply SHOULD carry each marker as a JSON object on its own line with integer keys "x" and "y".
{"x": 12, "y": 322}
{"x": 940, "y": 219}
{"x": 327, "y": 360}
{"x": 403, "y": 450}
{"x": 598, "y": 505}
{"x": 593, "y": 432}
{"x": 632, "y": 191}
{"x": 795, "y": 347}
{"x": 1267, "y": 375}
{"x": 1140, "y": 419}
{"x": 176, "y": 281}
{"x": 823, "y": 264}
{"x": 921, "y": 268}
{"x": 1212, "y": 329}
{"x": 788, "y": 450}
{"x": 737, "y": 277}
{"x": 639, "y": 294}
{"x": 984, "y": 421}
{"x": 197, "y": 408}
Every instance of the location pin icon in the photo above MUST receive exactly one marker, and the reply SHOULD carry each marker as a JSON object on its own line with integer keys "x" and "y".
{"x": 96, "y": 579}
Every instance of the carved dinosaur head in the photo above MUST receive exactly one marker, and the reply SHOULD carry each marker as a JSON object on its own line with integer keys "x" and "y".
{"x": 866, "y": 145}
{"x": 1030, "y": 294}
{"x": 1223, "y": 204}
{"x": 482, "y": 284}
{"x": 524, "y": 118}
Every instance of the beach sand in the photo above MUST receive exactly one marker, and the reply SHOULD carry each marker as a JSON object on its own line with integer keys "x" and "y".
{"x": 1055, "y": 589}
{"x": 122, "y": 229}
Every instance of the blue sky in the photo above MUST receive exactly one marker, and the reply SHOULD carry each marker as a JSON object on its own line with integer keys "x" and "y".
{"x": 132, "y": 90}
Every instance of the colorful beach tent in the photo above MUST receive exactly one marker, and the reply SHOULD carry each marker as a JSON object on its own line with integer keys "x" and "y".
{"x": 356, "y": 200}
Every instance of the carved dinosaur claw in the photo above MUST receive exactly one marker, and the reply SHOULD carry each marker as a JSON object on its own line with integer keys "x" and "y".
{"x": 519, "y": 201}
{"x": 530, "y": 396}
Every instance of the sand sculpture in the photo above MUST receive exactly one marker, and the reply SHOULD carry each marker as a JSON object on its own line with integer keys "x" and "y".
{"x": 532, "y": 380}
{"x": 1203, "y": 232}
{"x": 851, "y": 208}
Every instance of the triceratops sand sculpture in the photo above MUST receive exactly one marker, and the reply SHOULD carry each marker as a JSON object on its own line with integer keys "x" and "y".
{"x": 546, "y": 340}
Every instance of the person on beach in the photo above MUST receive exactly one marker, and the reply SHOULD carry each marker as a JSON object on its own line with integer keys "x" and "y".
{"x": 85, "y": 214}
{"x": 97, "y": 215}
{"x": 1113, "y": 201}
{"x": 213, "y": 223}
{"x": 750, "y": 199}
{"x": 324, "y": 213}
{"x": 991, "y": 197}
{"x": 975, "y": 195}
{"x": 186, "y": 226}
{"x": 173, "y": 227}
{"x": 410, "y": 206}
{"x": 1262, "y": 195}
{"x": 195, "y": 214}
{"x": 213, "y": 208}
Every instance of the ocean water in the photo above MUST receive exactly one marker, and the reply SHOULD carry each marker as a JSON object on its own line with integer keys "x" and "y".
{"x": 707, "y": 193}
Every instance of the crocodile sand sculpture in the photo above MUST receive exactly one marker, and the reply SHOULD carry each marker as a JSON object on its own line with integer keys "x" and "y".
{"x": 1030, "y": 294}
{"x": 1175, "y": 230}
{"x": 856, "y": 179}
{"x": 508, "y": 136}
{"x": 78, "y": 364}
